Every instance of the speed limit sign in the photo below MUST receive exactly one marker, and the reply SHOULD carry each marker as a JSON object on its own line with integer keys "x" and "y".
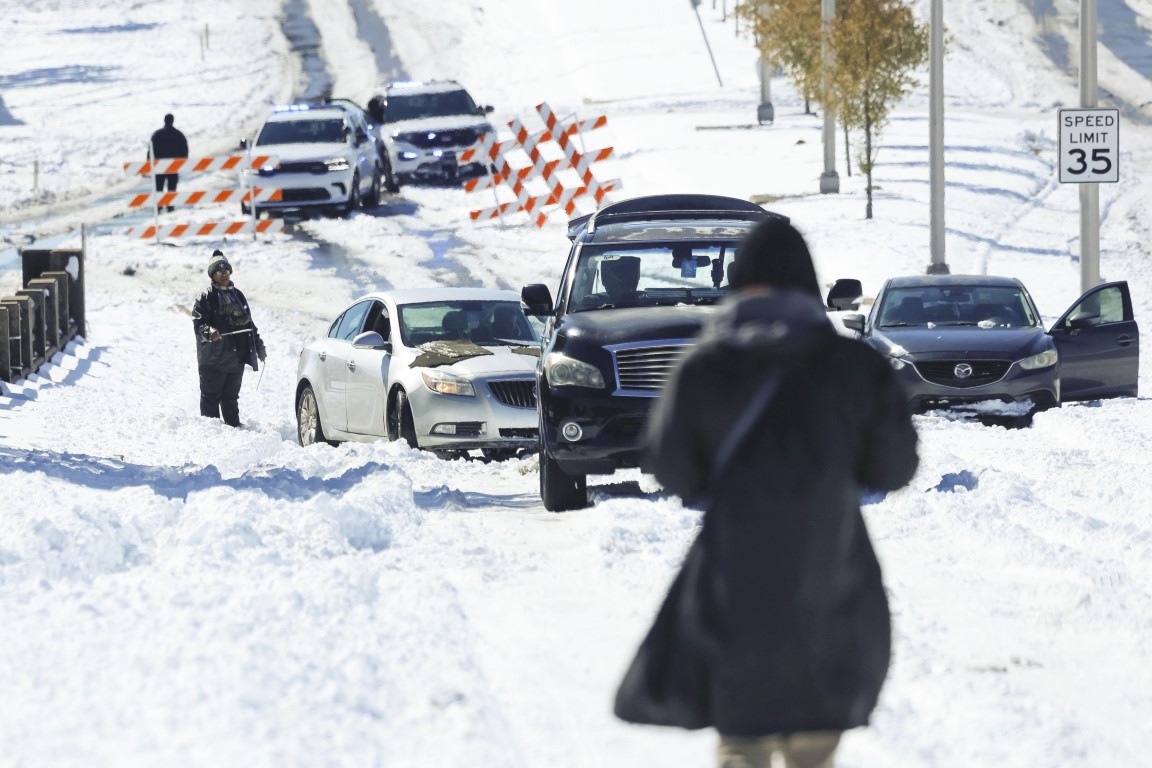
{"x": 1089, "y": 151}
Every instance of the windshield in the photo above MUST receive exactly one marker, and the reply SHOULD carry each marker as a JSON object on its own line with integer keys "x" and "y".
{"x": 420, "y": 105}
{"x": 302, "y": 132}
{"x": 620, "y": 275}
{"x": 487, "y": 323}
{"x": 973, "y": 305}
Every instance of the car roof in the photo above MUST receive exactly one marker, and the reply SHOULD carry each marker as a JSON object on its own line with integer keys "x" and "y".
{"x": 925, "y": 281}
{"x": 439, "y": 293}
{"x": 423, "y": 86}
{"x": 670, "y": 217}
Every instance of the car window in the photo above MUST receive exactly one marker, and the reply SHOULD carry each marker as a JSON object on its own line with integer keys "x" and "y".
{"x": 1107, "y": 302}
{"x": 330, "y": 131}
{"x": 377, "y": 320}
{"x": 956, "y": 305}
{"x": 493, "y": 323}
{"x": 415, "y": 106}
{"x": 649, "y": 275}
{"x": 352, "y": 321}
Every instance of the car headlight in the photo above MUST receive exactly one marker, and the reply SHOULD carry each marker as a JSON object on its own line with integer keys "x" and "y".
{"x": 444, "y": 383}
{"x": 563, "y": 371}
{"x": 337, "y": 164}
{"x": 1045, "y": 359}
{"x": 897, "y": 363}
{"x": 409, "y": 155}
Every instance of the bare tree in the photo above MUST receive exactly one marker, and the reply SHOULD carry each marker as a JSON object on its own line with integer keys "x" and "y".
{"x": 876, "y": 44}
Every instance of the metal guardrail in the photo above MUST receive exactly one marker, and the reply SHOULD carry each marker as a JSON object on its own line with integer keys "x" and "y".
{"x": 44, "y": 315}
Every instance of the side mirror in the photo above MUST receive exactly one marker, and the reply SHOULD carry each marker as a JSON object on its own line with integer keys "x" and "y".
{"x": 845, "y": 294}
{"x": 536, "y": 300}
{"x": 361, "y": 137}
{"x": 371, "y": 340}
{"x": 243, "y": 143}
{"x": 486, "y": 109}
{"x": 853, "y": 322}
{"x": 1082, "y": 319}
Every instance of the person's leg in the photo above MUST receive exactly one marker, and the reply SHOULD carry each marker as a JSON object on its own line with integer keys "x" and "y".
{"x": 160, "y": 182}
{"x": 737, "y": 752}
{"x": 810, "y": 749}
{"x": 230, "y": 397}
{"x": 211, "y": 389}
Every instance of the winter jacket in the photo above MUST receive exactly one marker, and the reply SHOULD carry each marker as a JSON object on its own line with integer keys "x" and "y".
{"x": 777, "y": 621}
{"x": 225, "y": 310}
{"x": 169, "y": 141}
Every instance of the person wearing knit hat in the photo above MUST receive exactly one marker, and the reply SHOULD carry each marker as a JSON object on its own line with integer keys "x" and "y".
{"x": 776, "y": 630}
{"x": 226, "y": 340}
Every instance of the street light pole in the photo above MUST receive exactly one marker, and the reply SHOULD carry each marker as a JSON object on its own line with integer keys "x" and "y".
{"x": 829, "y": 180}
{"x": 765, "y": 113}
{"x": 938, "y": 265}
{"x": 1089, "y": 193}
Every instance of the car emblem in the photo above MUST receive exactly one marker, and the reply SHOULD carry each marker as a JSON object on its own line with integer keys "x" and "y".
{"x": 962, "y": 370}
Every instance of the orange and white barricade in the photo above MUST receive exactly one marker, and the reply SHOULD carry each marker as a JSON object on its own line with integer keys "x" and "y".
{"x": 209, "y": 229}
{"x": 564, "y": 139}
{"x": 238, "y": 163}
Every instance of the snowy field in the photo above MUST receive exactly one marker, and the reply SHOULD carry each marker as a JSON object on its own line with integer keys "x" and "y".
{"x": 175, "y": 592}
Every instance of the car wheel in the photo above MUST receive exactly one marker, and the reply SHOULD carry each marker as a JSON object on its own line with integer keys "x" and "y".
{"x": 373, "y": 198}
{"x": 401, "y": 425}
{"x": 390, "y": 183}
{"x": 353, "y": 195}
{"x": 558, "y": 490}
{"x": 309, "y": 430}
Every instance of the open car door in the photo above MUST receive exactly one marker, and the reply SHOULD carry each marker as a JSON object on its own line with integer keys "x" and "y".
{"x": 1099, "y": 345}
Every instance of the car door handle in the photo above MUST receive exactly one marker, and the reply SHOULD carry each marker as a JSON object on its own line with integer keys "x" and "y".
{"x": 323, "y": 356}
{"x": 1125, "y": 340}
{"x": 351, "y": 365}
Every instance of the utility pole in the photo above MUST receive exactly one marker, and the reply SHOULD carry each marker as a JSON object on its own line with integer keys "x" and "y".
{"x": 938, "y": 265}
{"x": 829, "y": 180}
{"x": 1089, "y": 193}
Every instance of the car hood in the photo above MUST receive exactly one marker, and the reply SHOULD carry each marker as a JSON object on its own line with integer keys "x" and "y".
{"x": 959, "y": 341}
{"x": 448, "y": 123}
{"x": 294, "y": 152}
{"x": 467, "y": 359}
{"x": 626, "y": 324}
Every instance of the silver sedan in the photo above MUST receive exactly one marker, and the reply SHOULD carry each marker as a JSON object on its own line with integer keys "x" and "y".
{"x": 445, "y": 369}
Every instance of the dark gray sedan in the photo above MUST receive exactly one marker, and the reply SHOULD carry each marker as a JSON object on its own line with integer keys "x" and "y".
{"x": 962, "y": 339}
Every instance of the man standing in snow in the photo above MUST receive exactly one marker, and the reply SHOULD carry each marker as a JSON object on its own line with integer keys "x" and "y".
{"x": 776, "y": 630}
{"x": 226, "y": 341}
{"x": 168, "y": 142}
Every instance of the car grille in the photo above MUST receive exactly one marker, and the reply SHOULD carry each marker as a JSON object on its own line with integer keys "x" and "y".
{"x": 640, "y": 369}
{"x": 526, "y": 434}
{"x": 306, "y": 195}
{"x": 626, "y": 426}
{"x": 943, "y": 372}
{"x": 517, "y": 393}
{"x": 461, "y": 137}
{"x": 303, "y": 167}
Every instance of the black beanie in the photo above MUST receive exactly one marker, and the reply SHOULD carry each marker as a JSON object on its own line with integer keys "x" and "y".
{"x": 217, "y": 261}
{"x": 774, "y": 254}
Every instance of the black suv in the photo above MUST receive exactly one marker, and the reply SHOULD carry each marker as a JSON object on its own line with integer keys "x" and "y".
{"x": 642, "y": 276}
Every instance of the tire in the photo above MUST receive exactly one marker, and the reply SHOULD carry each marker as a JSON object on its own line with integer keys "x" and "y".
{"x": 401, "y": 425}
{"x": 560, "y": 491}
{"x": 373, "y": 198}
{"x": 309, "y": 430}
{"x": 353, "y": 195}
{"x": 390, "y": 183}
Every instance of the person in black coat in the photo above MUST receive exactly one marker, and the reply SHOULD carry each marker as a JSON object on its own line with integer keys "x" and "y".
{"x": 776, "y": 630}
{"x": 226, "y": 341}
{"x": 168, "y": 142}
